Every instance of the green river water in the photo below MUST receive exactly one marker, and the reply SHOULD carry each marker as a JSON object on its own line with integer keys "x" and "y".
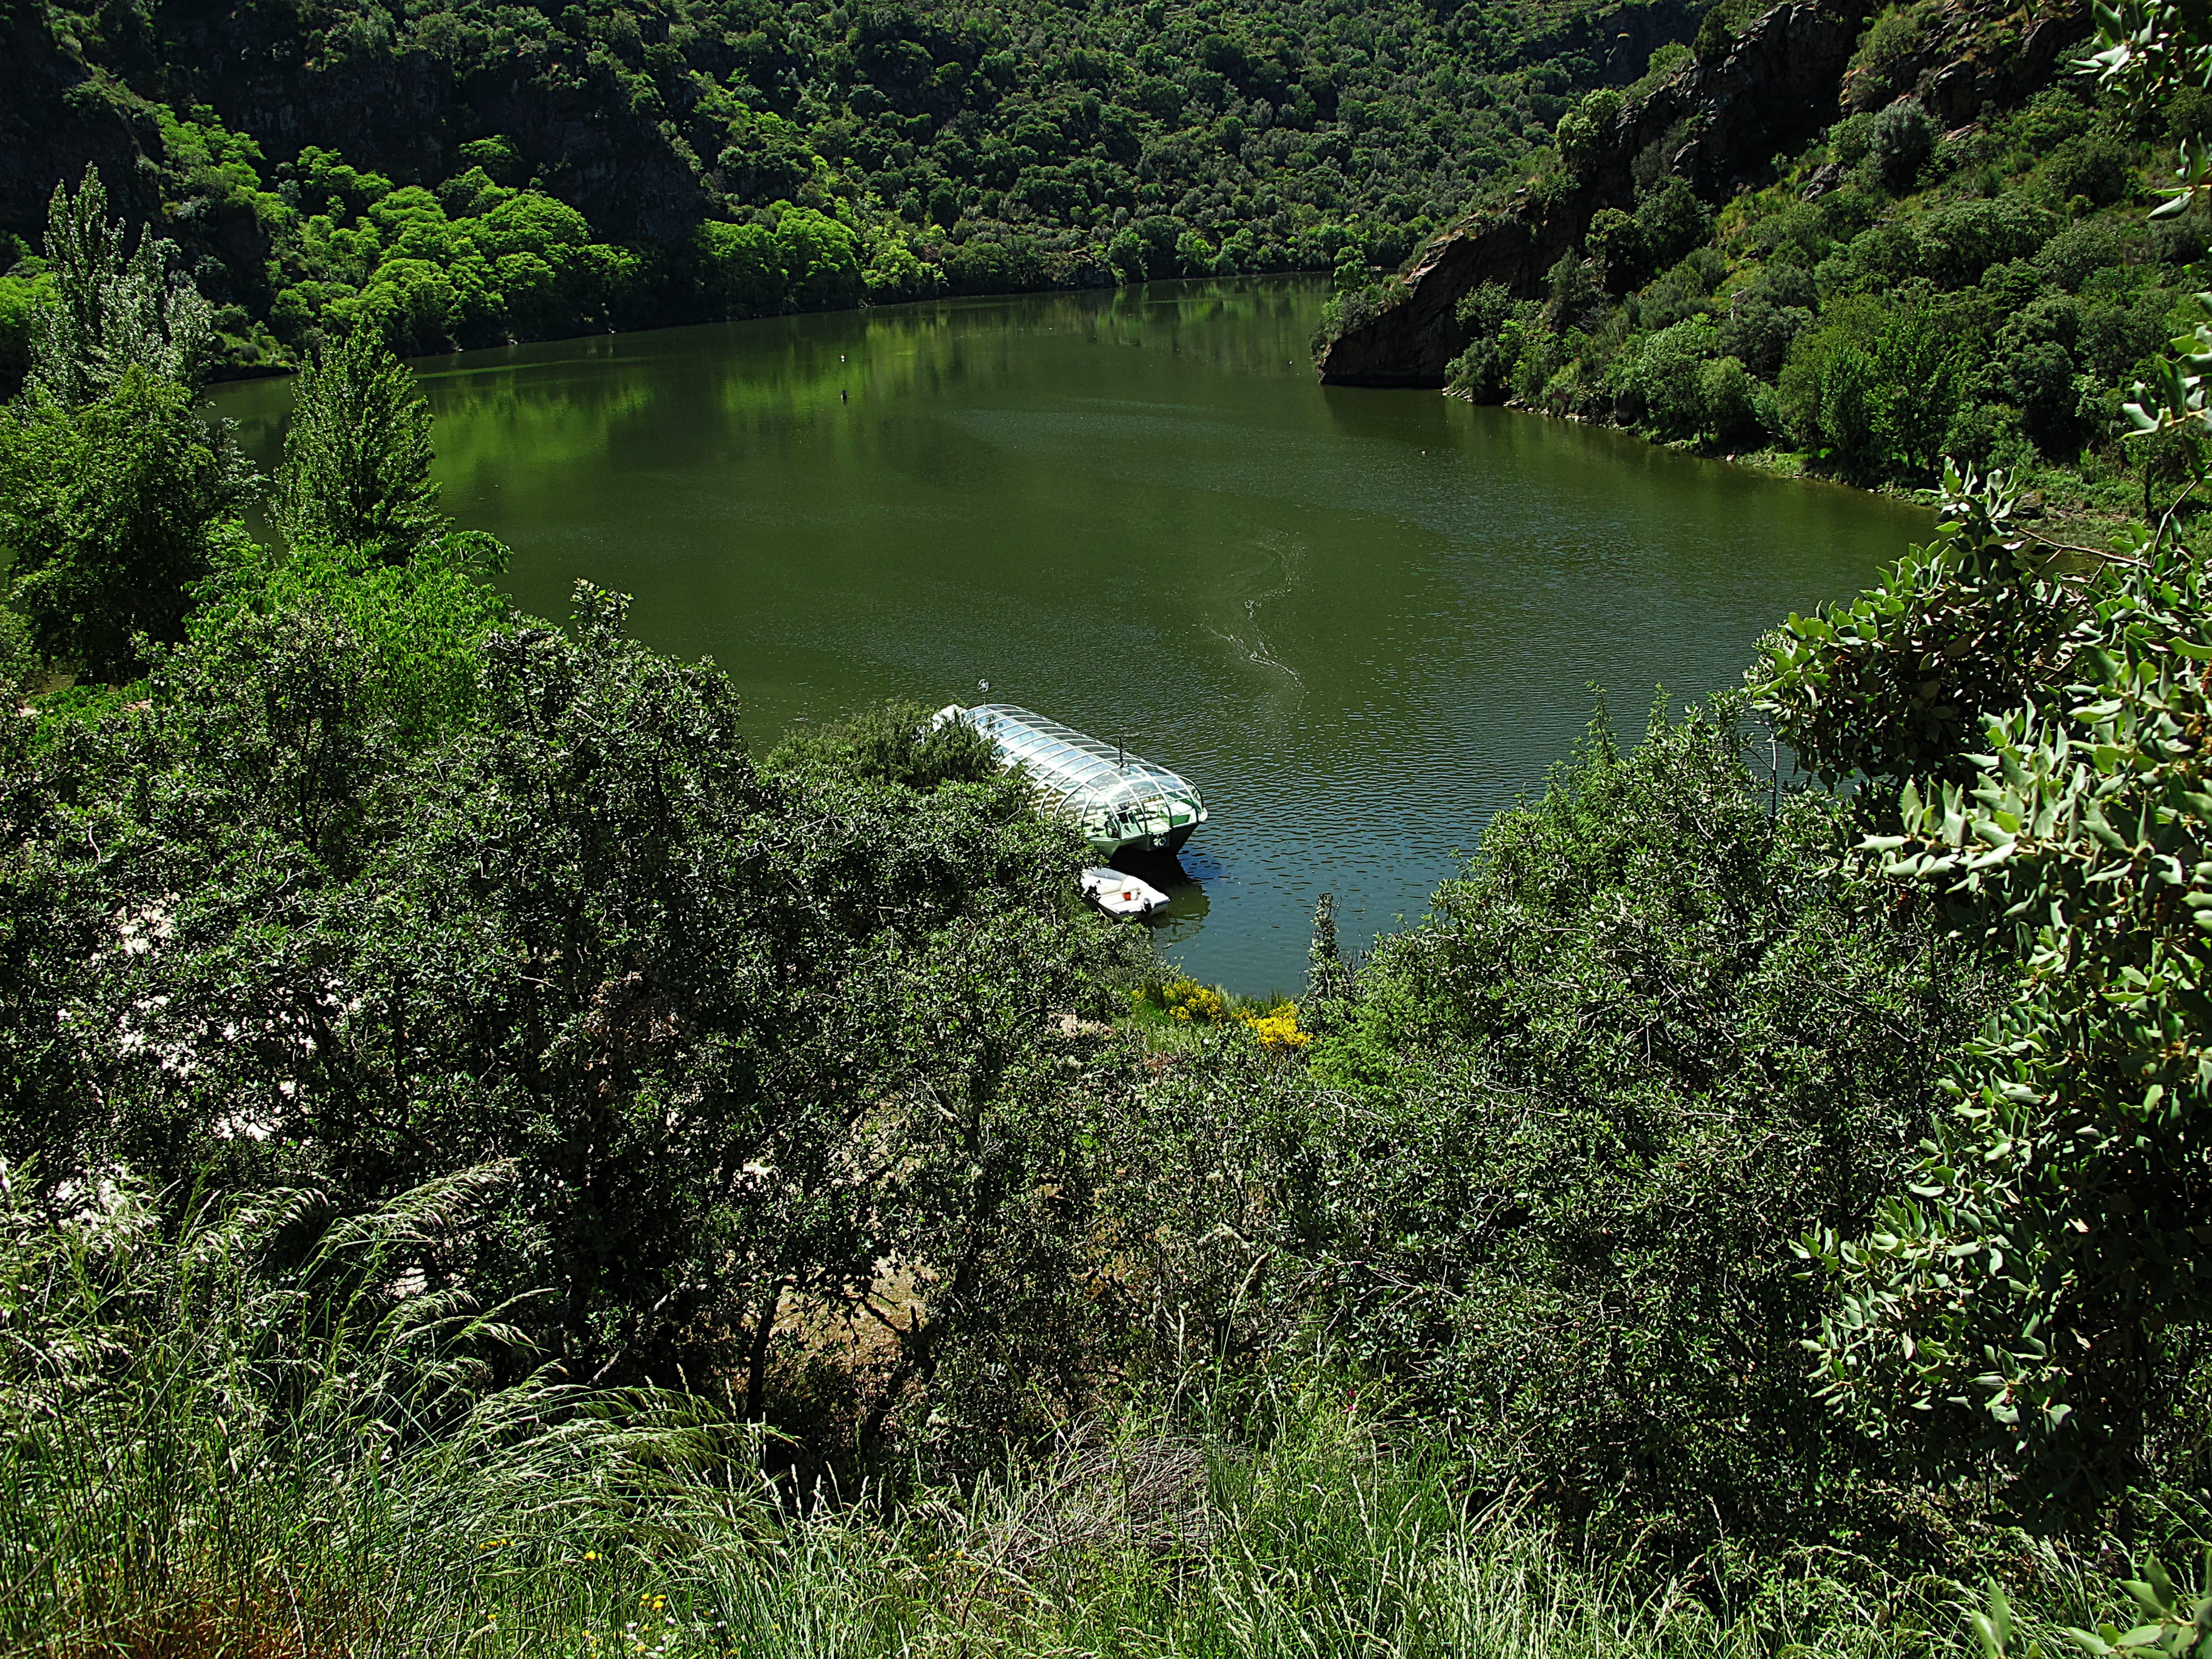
{"x": 1359, "y": 621}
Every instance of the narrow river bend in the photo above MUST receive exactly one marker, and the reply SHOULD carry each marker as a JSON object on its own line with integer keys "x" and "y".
{"x": 1359, "y": 621}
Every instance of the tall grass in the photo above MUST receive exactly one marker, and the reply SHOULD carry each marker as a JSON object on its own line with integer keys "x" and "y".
{"x": 274, "y": 1436}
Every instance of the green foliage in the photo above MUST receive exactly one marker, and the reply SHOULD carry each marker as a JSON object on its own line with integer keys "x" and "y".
{"x": 1584, "y": 131}
{"x": 1723, "y": 20}
{"x": 356, "y": 470}
{"x": 110, "y": 511}
{"x": 1875, "y": 386}
{"x": 896, "y": 743}
{"x": 263, "y": 1429}
{"x": 1634, "y": 1041}
{"x": 108, "y": 314}
{"x": 1888, "y": 59}
{"x": 599, "y": 1046}
{"x": 1354, "y": 307}
{"x": 1481, "y": 372}
{"x": 1728, "y": 405}
{"x": 2019, "y": 1294}
{"x": 2029, "y": 717}
{"x": 1616, "y": 241}
{"x": 561, "y": 919}
{"x": 1899, "y": 682}
{"x": 970, "y": 150}
{"x": 20, "y": 661}
{"x": 2180, "y": 1624}
{"x": 1666, "y": 374}
{"x": 21, "y": 299}
{"x": 741, "y": 274}
{"x": 820, "y": 259}
{"x": 419, "y": 626}
{"x": 1900, "y": 142}
{"x": 1983, "y": 300}
{"x": 215, "y": 1429}
{"x": 1671, "y": 219}
{"x": 804, "y": 260}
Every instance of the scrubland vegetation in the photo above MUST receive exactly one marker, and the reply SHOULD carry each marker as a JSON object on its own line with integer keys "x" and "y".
{"x": 1897, "y": 295}
{"x": 490, "y": 1165}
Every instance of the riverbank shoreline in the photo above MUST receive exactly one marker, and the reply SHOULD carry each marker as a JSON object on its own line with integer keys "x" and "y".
{"x": 1360, "y": 623}
{"x": 229, "y": 374}
{"x": 2078, "y": 519}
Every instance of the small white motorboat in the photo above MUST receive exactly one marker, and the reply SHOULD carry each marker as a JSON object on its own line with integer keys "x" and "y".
{"x": 1120, "y": 894}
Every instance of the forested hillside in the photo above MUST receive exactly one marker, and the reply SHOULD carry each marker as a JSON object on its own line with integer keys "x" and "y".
{"x": 1949, "y": 252}
{"x": 471, "y": 174}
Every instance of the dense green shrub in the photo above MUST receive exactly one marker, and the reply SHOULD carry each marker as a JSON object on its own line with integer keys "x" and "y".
{"x": 1662, "y": 375}
{"x": 230, "y": 1434}
{"x": 1729, "y": 404}
{"x": 20, "y": 298}
{"x": 1900, "y": 142}
{"x": 2045, "y": 785}
{"x": 357, "y": 452}
{"x": 1480, "y": 372}
{"x": 1584, "y": 131}
{"x": 570, "y": 926}
{"x": 109, "y": 513}
{"x": 1642, "y": 1036}
{"x": 1883, "y": 65}
{"x": 1673, "y": 220}
{"x": 1882, "y": 321}
{"x": 897, "y": 743}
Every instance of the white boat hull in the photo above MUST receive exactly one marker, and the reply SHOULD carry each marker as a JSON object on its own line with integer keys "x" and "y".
{"x": 1120, "y": 894}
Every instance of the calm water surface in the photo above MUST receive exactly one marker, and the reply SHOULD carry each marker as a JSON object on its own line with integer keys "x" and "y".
{"x": 1359, "y": 621}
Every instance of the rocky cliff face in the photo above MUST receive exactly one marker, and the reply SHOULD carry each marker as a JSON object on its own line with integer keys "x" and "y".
{"x": 1718, "y": 125}
{"x": 54, "y": 118}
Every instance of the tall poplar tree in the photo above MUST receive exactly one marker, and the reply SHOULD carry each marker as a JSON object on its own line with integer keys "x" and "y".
{"x": 356, "y": 468}
{"x": 109, "y": 312}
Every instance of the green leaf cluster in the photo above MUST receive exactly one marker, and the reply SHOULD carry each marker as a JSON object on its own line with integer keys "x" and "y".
{"x": 1543, "y": 1164}
{"x": 2022, "y": 1293}
{"x": 357, "y": 453}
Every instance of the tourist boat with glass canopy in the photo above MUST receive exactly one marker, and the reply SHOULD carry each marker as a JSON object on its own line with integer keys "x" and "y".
{"x": 1114, "y": 799}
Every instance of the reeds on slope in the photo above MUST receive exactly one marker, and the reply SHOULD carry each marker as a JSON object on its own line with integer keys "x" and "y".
{"x": 271, "y": 1435}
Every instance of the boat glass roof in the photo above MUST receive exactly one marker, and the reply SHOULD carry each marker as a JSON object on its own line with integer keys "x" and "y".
{"x": 1071, "y": 769}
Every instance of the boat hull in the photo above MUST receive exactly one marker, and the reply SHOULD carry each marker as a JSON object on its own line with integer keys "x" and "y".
{"x": 1170, "y": 843}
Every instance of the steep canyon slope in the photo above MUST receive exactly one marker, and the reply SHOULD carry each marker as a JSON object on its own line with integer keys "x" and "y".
{"x": 1721, "y": 122}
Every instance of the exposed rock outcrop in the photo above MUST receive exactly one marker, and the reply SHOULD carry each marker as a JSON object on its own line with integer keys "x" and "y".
{"x": 1973, "y": 57}
{"x": 55, "y": 116}
{"x": 1719, "y": 125}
